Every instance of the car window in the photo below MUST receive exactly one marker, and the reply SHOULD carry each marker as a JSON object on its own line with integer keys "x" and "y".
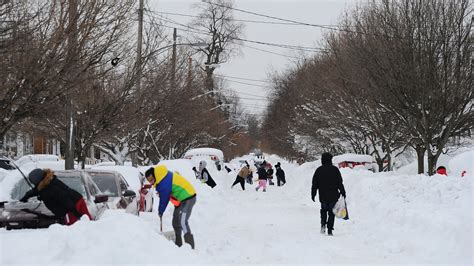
{"x": 20, "y": 189}
{"x": 123, "y": 184}
{"x": 74, "y": 183}
{"x": 92, "y": 189}
{"x": 106, "y": 183}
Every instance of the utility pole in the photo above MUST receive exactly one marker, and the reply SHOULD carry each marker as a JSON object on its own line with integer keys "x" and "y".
{"x": 173, "y": 61}
{"x": 133, "y": 154}
{"x": 139, "y": 45}
{"x": 190, "y": 71}
{"x": 72, "y": 53}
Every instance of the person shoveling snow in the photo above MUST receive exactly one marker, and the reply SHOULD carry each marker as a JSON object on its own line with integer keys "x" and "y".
{"x": 174, "y": 187}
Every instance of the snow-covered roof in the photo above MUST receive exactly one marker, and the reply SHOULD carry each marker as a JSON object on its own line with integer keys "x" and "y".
{"x": 205, "y": 152}
{"x": 352, "y": 157}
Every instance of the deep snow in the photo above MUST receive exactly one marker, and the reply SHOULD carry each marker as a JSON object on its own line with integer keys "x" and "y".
{"x": 394, "y": 218}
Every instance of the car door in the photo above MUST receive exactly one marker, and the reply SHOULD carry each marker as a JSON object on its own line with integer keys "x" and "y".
{"x": 131, "y": 202}
{"x": 95, "y": 209}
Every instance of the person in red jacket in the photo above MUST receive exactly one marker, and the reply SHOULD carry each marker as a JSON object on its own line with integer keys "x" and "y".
{"x": 441, "y": 171}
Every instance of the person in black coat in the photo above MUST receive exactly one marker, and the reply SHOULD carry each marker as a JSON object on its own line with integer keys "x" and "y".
{"x": 280, "y": 174}
{"x": 205, "y": 176}
{"x": 328, "y": 180}
{"x": 64, "y": 202}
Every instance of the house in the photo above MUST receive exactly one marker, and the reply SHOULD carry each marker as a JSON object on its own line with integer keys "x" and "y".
{"x": 17, "y": 144}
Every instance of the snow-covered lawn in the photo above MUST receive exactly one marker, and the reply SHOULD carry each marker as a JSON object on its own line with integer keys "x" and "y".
{"x": 393, "y": 219}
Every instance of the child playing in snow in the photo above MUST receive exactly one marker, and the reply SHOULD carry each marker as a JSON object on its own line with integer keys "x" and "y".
{"x": 262, "y": 178}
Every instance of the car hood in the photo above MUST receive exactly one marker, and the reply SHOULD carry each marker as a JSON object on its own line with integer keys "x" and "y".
{"x": 19, "y": 215}
{"x": 17, "y": 210}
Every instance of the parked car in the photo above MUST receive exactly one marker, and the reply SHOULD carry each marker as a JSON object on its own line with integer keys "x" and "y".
{"x": 34, "y": 158}
{"x": 114, "y": 185}
{"x": 136, "y": 180}
{"x": 356, "y": 161}
{"x": 34, "y": 214}
{"x": 215, "y": 155}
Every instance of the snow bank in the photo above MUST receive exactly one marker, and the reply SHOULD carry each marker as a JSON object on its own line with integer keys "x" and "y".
{"x": 394, "y": 218}
{"x": 352, "y": 157}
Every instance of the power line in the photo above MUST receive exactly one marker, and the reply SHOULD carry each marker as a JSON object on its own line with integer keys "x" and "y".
{"x": 234, "y": 77}
{"x": 241, "y": 20}
{"x": 335, "y": 28}
{"x": 245, "y": 83}
{"x": 273, "y": 17}
{"x": 270, "y": 52}
{"x": 280, "y": 45}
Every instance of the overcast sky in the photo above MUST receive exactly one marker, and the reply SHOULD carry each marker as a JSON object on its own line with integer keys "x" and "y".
{"x": 257, "y": 61}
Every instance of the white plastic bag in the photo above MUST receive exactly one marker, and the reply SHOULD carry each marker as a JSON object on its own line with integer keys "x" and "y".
{"x": 339, "y": 209}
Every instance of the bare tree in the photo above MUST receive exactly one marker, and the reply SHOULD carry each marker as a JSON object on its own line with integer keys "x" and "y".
{"x": 418, "y": 54}
{"x": 37, "y": 73}
{"x": 222, "y": 33}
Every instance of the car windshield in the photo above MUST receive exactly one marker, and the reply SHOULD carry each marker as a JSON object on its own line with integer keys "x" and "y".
{"x": 106, "y": 183}
{"x": 75, "y": 183}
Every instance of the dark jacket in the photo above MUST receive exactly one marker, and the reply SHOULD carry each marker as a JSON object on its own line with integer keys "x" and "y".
{"x": 58, "y": 198}
{"x": 328, "y": 180}
{"x": 262, "y": 174}
{"x": 210, "y": 182}
{"x": 280, "y": 174}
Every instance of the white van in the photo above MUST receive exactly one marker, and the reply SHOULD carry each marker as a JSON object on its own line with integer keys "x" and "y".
{"x": 215, "y": 155}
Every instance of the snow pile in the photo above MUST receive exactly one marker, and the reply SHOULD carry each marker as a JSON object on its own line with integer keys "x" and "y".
{"x": 394, "y": 218}
{"x": 455, "y": 165}
{"x": 118, "y": 238}
{"x": 352, "y": 157}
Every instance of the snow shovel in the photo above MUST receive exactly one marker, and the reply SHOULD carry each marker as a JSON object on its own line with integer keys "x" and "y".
{"x": 170, "y": 235}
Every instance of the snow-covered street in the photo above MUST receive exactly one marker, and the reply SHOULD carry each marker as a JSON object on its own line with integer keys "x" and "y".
{"x": 393, "y": 219}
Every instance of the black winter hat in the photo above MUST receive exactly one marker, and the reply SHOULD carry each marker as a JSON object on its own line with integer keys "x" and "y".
{"x": 36, "y": 176}
{"x": 278, "y": 164}
{"x": 150, "y": 172}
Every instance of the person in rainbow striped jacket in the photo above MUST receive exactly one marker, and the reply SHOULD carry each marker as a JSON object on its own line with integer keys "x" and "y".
{"x": 171, "y": 186}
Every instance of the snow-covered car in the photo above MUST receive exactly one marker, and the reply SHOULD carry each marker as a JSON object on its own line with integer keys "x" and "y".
{"x": 136, "y": 180}
{"x": 215, "y": 155}
{"x": 114, "y": 185}
{"x": 356, "y": 161}
{"x": 34, "y": 214}
{"x": 34, "y": 158}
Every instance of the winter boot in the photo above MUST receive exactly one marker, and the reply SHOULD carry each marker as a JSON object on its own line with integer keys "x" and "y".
{"x": 189, "y": 238}
{"x": 329, "y": 232}
{"x": 323, "y": 229}
{"x": 264, "y": 190}
{"x": 179, "y": 240}
{"x": 256, "y": 189}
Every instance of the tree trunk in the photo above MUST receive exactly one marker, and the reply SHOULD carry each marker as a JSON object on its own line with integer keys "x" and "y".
{"x": 420, "y": 154}
{"x": 209, "y": 79}
{"x": 432, "y": 160}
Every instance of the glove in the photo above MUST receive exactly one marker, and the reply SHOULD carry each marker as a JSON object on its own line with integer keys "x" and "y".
{"x": 24, "y": 199}
{"x": 27, "y": 195}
